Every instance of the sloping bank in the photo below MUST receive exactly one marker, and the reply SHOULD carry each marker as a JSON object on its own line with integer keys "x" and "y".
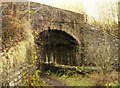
{"x": 17, "y": 63}
{"x": 17, "y": 58}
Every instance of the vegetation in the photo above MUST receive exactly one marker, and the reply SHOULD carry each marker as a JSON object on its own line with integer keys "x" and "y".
{"x": 13, "y": 28}
{"x": 34, "y": 80}
{"x": 15, "y": 31}
{"x": 75, "y": 80}
{"x": 107, "y": 23}
{"x": 101, "y": 73}
{"x": 81, "y": 76}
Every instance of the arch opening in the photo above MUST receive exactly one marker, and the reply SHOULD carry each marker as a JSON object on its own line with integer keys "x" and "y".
{"x": 57, "y": 46}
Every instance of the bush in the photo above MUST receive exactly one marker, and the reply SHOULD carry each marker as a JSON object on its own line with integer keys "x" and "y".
{"x": 13, "y": 28}
{"x": 102, "y": 80}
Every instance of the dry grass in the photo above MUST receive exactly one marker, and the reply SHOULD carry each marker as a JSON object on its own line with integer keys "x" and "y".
{"x": 102, "y": 79}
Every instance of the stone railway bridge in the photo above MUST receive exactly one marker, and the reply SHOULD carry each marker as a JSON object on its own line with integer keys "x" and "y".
{"x": 59, "y": 32}
{"x": 58, "y": 40}
{"x": 62, "y": 34}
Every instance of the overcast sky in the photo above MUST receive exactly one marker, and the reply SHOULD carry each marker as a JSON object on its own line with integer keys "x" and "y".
{"x": 89, "y": 6}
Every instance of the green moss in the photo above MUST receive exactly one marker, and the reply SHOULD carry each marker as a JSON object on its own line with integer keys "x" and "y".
{"x": 75, "y": 80}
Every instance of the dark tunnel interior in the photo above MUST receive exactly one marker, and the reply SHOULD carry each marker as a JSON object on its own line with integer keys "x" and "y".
{"x": 57, "y": 47}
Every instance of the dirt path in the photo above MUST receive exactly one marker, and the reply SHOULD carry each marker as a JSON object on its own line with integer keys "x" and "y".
{"x": 53, "y": 82}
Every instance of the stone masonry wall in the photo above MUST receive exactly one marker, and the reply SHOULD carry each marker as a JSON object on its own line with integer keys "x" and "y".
{"x": 16, "y": 63}
{"x": 95, "y": 48}
{"x": 47, "y": 17}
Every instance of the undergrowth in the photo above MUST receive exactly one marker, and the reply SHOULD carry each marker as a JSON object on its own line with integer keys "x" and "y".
{"x": 82, "y": 76}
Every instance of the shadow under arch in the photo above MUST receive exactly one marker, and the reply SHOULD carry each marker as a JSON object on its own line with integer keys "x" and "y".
{"x": 57, "y": 46}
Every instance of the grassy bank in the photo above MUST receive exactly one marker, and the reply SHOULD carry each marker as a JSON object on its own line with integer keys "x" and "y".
{"x": 75, "y": 80}
{"x": 80, "y": 76}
